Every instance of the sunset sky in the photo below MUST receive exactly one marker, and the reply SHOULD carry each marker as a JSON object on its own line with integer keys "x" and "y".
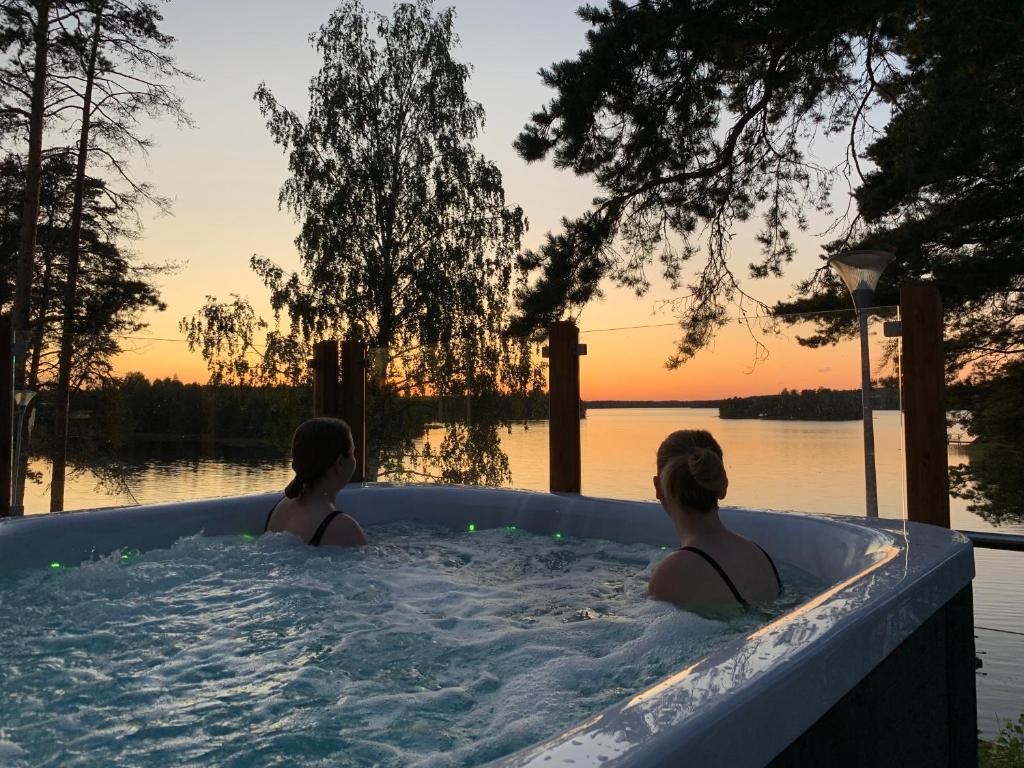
{"x": 224, "y": 177}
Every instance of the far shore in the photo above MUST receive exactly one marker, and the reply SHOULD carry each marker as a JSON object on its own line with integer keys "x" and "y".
{"x": 652, "y": 403}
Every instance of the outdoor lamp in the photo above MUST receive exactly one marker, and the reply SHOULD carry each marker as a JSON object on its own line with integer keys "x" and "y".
{"x": 22, "y": 397}
{"x": 860, "y": 270}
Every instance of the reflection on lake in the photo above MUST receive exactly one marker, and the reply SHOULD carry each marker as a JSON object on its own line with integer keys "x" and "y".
{"x": 790, "y": 465}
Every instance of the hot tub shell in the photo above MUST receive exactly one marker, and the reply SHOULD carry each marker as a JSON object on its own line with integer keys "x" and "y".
{"x": 876, "y": 670}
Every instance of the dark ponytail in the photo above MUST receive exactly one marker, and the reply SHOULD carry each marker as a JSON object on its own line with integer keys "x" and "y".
{"x": 316, "y": 445}
{"x": 295, "y": 488}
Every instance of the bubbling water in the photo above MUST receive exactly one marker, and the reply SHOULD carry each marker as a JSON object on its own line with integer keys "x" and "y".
{"x": 430, "y": 647}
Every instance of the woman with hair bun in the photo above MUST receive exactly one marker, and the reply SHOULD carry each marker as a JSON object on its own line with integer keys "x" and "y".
{"x": 713, "y": 566}
{"x": 324, "y": 458}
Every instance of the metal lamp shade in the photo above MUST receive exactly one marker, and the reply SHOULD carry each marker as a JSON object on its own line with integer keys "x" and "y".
{"x": 22, "y": 397}
{"x": 860, "y": 271}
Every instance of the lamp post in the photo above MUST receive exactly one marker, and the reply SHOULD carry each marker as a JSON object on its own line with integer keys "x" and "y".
{"x": 22, "y": 398}
{"x": 860, "y": 270}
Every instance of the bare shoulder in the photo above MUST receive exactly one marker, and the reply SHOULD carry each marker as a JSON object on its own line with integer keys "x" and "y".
{"x": 675, "y": 579}
{"x": 344, "y": 531}
{"x": 279, "y": 514}
{"x": 757, "y": 572}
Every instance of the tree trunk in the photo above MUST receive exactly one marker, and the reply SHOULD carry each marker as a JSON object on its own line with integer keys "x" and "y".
{"x": 63, "y": 399}
{"x": 39, "y": 328}
{"x": 33, "y": 371}
{"x": 27, "y": 244}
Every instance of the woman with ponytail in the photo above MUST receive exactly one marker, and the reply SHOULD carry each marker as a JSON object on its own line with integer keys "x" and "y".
{"x": 324, "y": 458}
{"x": 713, "y": 566}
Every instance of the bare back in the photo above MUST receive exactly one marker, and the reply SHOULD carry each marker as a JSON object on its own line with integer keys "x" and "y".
{"x": 300, "y": 517}
{"x": 689, "y": 577}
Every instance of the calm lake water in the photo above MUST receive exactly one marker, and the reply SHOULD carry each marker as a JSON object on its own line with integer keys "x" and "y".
{"x": 812, "y": 467}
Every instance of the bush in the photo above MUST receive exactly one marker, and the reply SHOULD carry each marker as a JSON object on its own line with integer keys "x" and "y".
{"x": 1007, "y": 751}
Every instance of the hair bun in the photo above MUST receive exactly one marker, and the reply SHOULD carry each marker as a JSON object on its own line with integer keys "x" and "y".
{"x": 707, "y": 470}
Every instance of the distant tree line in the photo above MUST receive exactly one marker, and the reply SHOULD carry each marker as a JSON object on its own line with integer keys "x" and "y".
{"x": 598, "y": 404}
{"x": 132, "y": 409}
{"x": 135, "y": 408}
{"x": 807, "y": 405}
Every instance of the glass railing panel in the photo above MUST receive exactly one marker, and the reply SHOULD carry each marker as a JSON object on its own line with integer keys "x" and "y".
{"x": 137, "y": 438}
{"x": 450, "y": 414}
{"x": 985, "y": 474}
{"x": 780, "y": 407}
{"x": 999, "y": 632}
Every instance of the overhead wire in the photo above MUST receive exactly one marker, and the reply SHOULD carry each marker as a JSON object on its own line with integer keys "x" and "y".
{"x": 740, "y": 318}
{"x": 1001, "y": 631}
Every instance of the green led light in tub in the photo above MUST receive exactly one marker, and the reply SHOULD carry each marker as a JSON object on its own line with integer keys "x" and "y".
{"x": 249, "y": 536}
{"x": 558, "y": 535}
{"x": 55, "y": 565}
{"x": 472, "y": 527}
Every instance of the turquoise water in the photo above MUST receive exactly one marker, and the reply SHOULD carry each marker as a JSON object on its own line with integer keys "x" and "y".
{"x": 430, "y": 647}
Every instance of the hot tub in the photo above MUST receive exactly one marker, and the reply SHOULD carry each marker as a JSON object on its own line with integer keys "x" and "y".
{"x": 878, "y": 669}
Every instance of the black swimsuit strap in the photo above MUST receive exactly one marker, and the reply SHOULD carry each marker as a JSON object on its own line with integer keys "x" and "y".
{"x": 778, "y": 579}
{"x": 711, "y": 561}
{"x": 315, "y": 541}
{"x": 270, "y": 514}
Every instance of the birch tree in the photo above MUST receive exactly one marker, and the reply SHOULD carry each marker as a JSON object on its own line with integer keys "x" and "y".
{"x": 405, "y": 234}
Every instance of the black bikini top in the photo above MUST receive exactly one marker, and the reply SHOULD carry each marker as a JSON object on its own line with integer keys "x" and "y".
{"x": 725, "y": 577}
{"x": 320, "y": 531}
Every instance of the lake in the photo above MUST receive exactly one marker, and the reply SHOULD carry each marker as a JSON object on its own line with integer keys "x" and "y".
{"x": 801, "y": 466}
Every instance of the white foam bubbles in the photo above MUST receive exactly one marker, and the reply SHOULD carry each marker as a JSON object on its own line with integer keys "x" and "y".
{"x": 430, "y": 647}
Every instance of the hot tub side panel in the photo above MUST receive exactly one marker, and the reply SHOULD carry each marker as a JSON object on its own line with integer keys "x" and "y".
{"x": 916, "y": 709}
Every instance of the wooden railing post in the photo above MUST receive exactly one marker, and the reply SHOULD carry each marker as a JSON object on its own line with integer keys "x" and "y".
{"x": 353, "y": 399}
{"x": 325, "y": 378}
{"x": 564, "y": 407}
{"x": 924, "y": 405}
{"x": 7, "y": 468}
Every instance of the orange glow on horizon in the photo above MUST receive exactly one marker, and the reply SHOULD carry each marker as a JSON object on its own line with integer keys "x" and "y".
{"x": 629, "y": 364}
{"x": 225, "y": 177}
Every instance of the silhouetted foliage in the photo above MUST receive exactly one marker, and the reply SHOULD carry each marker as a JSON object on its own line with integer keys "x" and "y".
{"x": 807, "y": 405}
{"x": 135, "y": 408}
{"x": 406, "y": 239}
{"x": 119, "y": 71}
{"x": 946, "y": 190}
{"x": 947, "y": 195}
{"x": 693, "y": 117}
{"x": 119, "y": 425}
{"x": 88, "y": 72}
{"x": 994, "y": 480}
{"x": 114, "y": 288}
{"x": 120, "y": 428}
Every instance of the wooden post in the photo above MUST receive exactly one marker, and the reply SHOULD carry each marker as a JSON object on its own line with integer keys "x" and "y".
{"x": 6, "y": 414}
{"x": 353, "y": 399}
{"x": 564, "y": 407}
{"x": 924, "y": 405}
{"x": 325, "y": 378}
